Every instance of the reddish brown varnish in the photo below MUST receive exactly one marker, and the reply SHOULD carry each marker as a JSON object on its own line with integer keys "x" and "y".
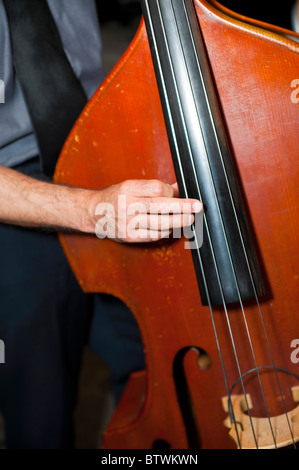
{"x": 121, "y": 135}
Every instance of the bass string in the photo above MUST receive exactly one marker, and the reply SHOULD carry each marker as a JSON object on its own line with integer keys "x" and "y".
{"x": 247, "y": 262}
{"x": 224, "y": 231}
{"x": 219, "y": 280}
{"x": 244, "y": 251}
{"x": 214, "y": 258}
{"x": 185, "y": 189}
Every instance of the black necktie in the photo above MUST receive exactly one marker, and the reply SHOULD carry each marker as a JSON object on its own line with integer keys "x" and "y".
{"x": 53, "y": 93}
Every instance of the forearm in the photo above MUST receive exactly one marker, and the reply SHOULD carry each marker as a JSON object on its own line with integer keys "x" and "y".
{"x": 28, "y": 202}
{"x": 108, "y": 213}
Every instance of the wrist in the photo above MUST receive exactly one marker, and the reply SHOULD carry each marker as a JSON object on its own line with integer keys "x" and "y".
{"x": 84, "y": 203}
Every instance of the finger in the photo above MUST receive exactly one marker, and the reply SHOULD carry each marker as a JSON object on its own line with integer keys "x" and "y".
{"x": 164, "y": 222}
{"x": 141, "y": 235}
{"x": 164, "y": 206}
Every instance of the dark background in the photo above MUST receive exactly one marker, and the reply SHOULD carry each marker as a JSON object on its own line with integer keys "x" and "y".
{"x": 273, "y": 12}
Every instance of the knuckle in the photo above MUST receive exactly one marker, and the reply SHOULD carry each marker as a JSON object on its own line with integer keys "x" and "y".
{"x": 124, "y": 186}
{"x": 157, "y": 187}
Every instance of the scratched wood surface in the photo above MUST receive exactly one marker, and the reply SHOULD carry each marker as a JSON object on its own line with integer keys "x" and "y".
{"x": 121, "y": 135}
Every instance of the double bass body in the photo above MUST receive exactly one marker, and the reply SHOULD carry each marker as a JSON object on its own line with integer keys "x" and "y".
{"x": 218, "y": 376}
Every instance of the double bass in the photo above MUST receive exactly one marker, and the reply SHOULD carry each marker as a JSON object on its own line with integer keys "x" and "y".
{"x": 208, "y": 98}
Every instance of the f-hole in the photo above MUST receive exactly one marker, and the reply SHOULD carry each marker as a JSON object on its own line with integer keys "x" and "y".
{"x": 183, "y": 393}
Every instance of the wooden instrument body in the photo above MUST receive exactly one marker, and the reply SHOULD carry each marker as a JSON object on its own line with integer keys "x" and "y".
{"x": 121, "y": 135}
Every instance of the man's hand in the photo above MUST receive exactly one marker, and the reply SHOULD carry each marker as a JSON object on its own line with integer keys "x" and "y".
{"x": 141, "y": 211}
{"x": 132, "y": 211}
